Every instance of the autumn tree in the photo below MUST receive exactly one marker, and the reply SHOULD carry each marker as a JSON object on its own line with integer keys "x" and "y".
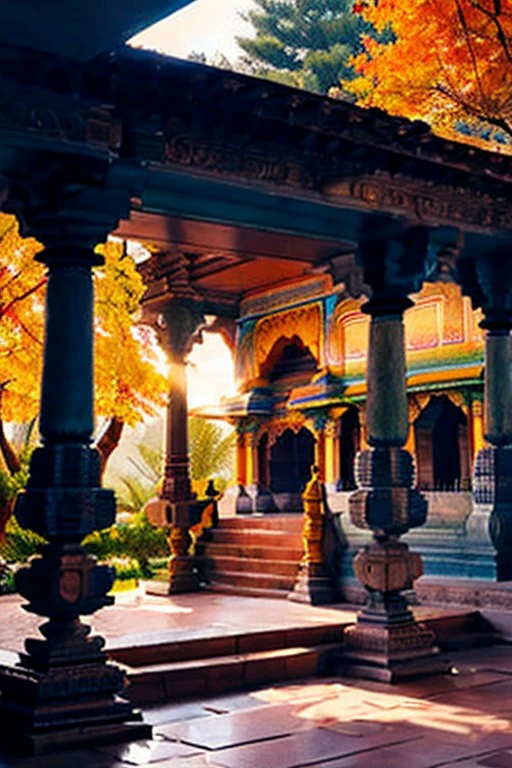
{"x": 304, "y": 43}
{"x": 448, "y": 62}
{"x": 128, "y": 383}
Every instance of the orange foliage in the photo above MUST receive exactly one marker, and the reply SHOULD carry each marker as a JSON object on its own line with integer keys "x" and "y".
{"x": 450, "y": 62}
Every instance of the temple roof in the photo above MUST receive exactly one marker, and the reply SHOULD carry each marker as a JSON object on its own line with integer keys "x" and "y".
{"x": 79, "y": 29}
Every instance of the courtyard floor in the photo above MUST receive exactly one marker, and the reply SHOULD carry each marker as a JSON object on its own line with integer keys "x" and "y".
{"x": 461, "y": 719}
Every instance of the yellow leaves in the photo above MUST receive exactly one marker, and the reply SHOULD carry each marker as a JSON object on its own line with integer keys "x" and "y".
{"x": 128, "y": 380}
{"x": 22, "y": 281}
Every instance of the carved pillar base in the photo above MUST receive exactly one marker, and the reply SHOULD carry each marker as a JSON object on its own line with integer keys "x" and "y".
{"x": 63, "y": 691}
{"x": 313, "y": 586}
{"x": 387, "y": 643}
{"x": 183, "y": 573}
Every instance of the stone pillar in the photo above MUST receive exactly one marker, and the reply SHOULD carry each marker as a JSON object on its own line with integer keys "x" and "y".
{"x": 364, "y": 445}
{"x": 477, "y": 427}
{"x": 244, "y": 503}
{"x": 331, "y": 453}
{"x": 178, "y": 323}
{"x": 63, "y": 690}
{"x": 487, "y": 278}
{"x": 387, "y": 643}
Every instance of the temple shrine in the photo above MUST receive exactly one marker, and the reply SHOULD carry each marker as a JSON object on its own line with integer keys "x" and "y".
{"x": 359, "y": 266}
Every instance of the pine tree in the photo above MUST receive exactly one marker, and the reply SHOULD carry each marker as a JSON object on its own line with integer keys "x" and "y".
{"x": 305, "y": 43}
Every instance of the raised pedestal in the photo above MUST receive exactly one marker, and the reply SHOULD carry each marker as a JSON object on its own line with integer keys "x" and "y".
{"x": 387, "y": 643}
{"x": 183, "y": 574}
{"x": 63, "y": 690}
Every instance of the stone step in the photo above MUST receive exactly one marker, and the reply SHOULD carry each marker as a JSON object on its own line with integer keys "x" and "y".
{"x": 249, "y": 537}
{"x": 230, "y": 644}
{"x": 253, "y": 565}
{"x": 464, "y": 630}
{"x": 292, "y": 523}
{"x": 176, "y": 680}
{"x": 257, "y": 580}
{"x": 219, "y": 549}
{"x": 229, "y": 589}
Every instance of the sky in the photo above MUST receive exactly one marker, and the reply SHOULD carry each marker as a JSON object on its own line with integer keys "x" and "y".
{"x": 204, "y": 26}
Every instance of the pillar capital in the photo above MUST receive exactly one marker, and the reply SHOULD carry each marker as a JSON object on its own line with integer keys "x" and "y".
{"x": 395, "y": 267}
{"x": 70, "y": 214}
{"x": 177, "y": 327}
{"x": 486, "y": 277}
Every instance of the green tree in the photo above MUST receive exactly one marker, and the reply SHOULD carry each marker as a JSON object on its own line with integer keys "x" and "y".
{"x": 304, "y": 43}
{"x": 211, "y": 452}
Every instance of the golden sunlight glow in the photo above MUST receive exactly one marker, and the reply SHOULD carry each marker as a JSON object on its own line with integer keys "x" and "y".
{"x": 201, "y": 27}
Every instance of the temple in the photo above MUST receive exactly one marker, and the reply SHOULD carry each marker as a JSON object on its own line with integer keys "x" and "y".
{"x": 361, "y": 269}
{"x": 300, "y": 353}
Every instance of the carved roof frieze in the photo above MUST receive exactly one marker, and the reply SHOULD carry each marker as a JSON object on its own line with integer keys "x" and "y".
{"x": 427, "y": 203}
{"x": 42, "y": 114}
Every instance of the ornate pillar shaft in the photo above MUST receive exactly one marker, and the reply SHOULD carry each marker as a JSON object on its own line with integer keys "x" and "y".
{"x": 176, "y": 486}
{"x": 244, "y": 472}
{"x": 331, "y": 451}
{"x": 63, "y": 690}
{"x": 498, "y": 432}
{"x": 251, "y": 453}
{"x": 387, "y": 417}
{"x": 67, "y": 388}
{"x": 178, "y": 323}
{"x": 387, "y": 643}
{"x": 498, "y": 386}
{"x": 487, "y": 278}
{"x": 240, "y": 458}
{"x": 477, "y": 428}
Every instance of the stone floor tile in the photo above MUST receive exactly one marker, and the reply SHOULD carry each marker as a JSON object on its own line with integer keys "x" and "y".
{"x": 232, "y": 702}
{"x": 147, "y": 752}
{"x": 308, "y": 747}
{"x": 501, "y": 759}
{"x": 225, "y": 731}
{"x": 82, "y": 758}
{"x": 176, "y": 711}
{"x": 493, "y": 697}
{"x": 467, "y": 676}
{"x": 201, "y": 761}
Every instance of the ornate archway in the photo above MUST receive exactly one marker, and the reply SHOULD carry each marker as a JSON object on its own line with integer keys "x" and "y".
{"x": 442, "y": 455}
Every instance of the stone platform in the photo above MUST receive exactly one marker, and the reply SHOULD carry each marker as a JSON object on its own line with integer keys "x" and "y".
{"x": 460, "y": 720}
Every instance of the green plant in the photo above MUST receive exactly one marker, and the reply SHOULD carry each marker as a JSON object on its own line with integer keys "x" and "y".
{"x": 211, "y": 452}
{"x": 125, "y": 568}
{"x": 137, "y": 539}
{"x": 18, "y": 544}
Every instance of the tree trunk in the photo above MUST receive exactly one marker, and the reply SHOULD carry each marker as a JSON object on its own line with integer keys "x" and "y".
{"x": 9, "y": 455}
{"x": 109, "y": 440}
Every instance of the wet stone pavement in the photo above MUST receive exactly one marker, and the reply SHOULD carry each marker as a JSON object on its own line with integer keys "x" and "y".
{"x": 463, "y": 719}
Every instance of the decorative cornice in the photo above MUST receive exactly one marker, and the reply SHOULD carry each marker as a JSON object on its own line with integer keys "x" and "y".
{"x": 174, "y": 114}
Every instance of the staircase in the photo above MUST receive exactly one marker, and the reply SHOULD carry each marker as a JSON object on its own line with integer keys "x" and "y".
{"x": 256, "y": 556}
{"x": 207, "y": 666}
